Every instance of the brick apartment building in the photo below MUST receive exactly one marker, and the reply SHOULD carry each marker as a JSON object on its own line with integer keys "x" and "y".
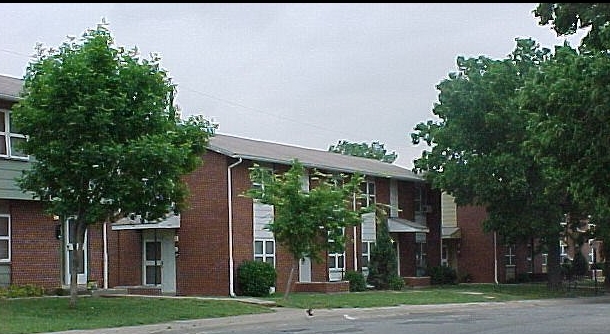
{"x": 482, "y": 257}
{"x": 198, "y": 252}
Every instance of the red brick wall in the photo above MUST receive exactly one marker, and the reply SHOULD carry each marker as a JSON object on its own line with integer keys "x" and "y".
{"x": 125, "y": 257}
{"x": 95, "y": 253}
{"x": 476, "y": 255}
{"x": 433, "y": 222}
{"x": 203, "y": 265}
{"x": 35, "y": 251}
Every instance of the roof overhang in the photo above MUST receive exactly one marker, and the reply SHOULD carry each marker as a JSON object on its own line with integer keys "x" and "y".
{"x": 405, "y": 226}
{"x": 172, "y": 221}
{"x": 452, "y": 233}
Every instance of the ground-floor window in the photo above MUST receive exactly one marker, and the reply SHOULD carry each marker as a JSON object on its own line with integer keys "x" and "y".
{"x": 421, "y": 255}
{"x": 336, "y": 266}
{"x": 264, "y": 251}
{"x": 5, "y": 238}
{"x": 366, "y": 252}
{"x": 510, "y": 255}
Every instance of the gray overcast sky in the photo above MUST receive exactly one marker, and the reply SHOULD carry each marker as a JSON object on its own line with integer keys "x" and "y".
{"x": 301, "y": 74}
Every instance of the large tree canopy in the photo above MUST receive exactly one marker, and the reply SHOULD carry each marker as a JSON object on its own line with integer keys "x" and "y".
{"x": 104, "y": 135}
{"x": 478, "y": 153}
{"x": 569, "y": 99}
{"x": 375, "y": 150}
{"x": 568, "y": 18}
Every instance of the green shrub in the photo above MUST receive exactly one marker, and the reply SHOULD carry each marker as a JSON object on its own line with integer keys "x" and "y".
{"x": 255, "y": 278}
{"x": 396, "y": 283}
{"x": 465, "y": 278}
{"x": 442, "y": 275}
{"x": 27, "y": 290}
{"x": 356, "y": 281}
{"x": 580, "y": 264}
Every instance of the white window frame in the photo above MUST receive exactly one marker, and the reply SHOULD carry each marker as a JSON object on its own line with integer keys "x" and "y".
{"x": 366, "y": 256}
{"x": 563, "y": 251}
{"x": 510, "y": 256}
{"x": 265, "y": 254}
{"x": 336, "y": 264}
{"x": 10, "y": 137}
{"x": 368, "y": 193}
{"x": 6, "y": 237}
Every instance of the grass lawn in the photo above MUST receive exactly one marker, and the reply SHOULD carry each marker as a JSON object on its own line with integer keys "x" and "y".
{"x": 52, "y": 314}
{"x": 462, "y": 293}
{"x": 48, "y": 314}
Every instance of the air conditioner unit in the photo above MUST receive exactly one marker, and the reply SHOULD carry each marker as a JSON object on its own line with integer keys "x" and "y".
{"x": 427, "y": 208}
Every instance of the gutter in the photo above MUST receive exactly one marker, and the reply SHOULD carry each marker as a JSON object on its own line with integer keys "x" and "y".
{"x": 230, "y": 200}
{"x": 355, "y": 243}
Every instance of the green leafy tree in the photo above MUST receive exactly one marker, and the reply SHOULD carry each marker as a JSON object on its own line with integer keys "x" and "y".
{"x": 383, "y": 266}
{"x": 375, "y": 150}
{"x": 307, "y": 223}
{"x": 568, "y": 18}
{"x": 479, "y": 153}
{"x": 104, "y": 136}
{"x": 569, "y": 99}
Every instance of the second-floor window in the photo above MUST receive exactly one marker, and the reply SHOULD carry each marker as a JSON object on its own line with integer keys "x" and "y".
{"x": 368, "y": 194}
{"x": 10, "y": 137}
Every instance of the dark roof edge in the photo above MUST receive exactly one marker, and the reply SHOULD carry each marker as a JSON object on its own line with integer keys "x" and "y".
{"x": 288, "y": 162}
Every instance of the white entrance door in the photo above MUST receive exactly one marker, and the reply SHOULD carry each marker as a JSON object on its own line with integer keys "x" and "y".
{"x": 305, "y": 270}
{"x": 159, "y": 259}
{"x": 69, "y": 247}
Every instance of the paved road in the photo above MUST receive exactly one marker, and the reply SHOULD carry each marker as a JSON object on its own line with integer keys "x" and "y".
{"x": 554, "y": 316}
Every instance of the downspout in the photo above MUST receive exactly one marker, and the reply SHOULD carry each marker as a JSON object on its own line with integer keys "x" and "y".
{"x": 495, "y": 260}
{"x": 355, "y": 236}
{"x": 105, "y": 237}
{"x": 229, "y": 198}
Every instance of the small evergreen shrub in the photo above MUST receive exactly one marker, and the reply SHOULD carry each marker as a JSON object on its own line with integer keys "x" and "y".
{"x": 356, "y": 281}
{"x": 465, "y": 278}
{"x": 580, "y": 264}
{"x": 442, "y": 275}
{"x": 255, "y": 278}
{"x": 396, "y": 283}
{"x": 27, "y": 290}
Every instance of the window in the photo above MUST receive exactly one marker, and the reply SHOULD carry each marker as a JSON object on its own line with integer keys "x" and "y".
{"x": 366, "y": 252}
{"x": 419, "y": 198}
{"x": 565, "y": 258}
{"x": 368, "y": 194}
{"x": 444, "y": 255}
{"x": 510, "y": 255}
{"x": 336, "y": 266}
{"x": 9, "y": 138}
{"x": 421, "y": 256}
{"x": 5, "y": 238}
{"x": 264, "y": 251}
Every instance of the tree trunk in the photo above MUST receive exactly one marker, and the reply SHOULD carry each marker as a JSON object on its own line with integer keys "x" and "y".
{"x": 77, "y": 255}
{"x": 554, "y": 274}
{"x": 289, "y": 282}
